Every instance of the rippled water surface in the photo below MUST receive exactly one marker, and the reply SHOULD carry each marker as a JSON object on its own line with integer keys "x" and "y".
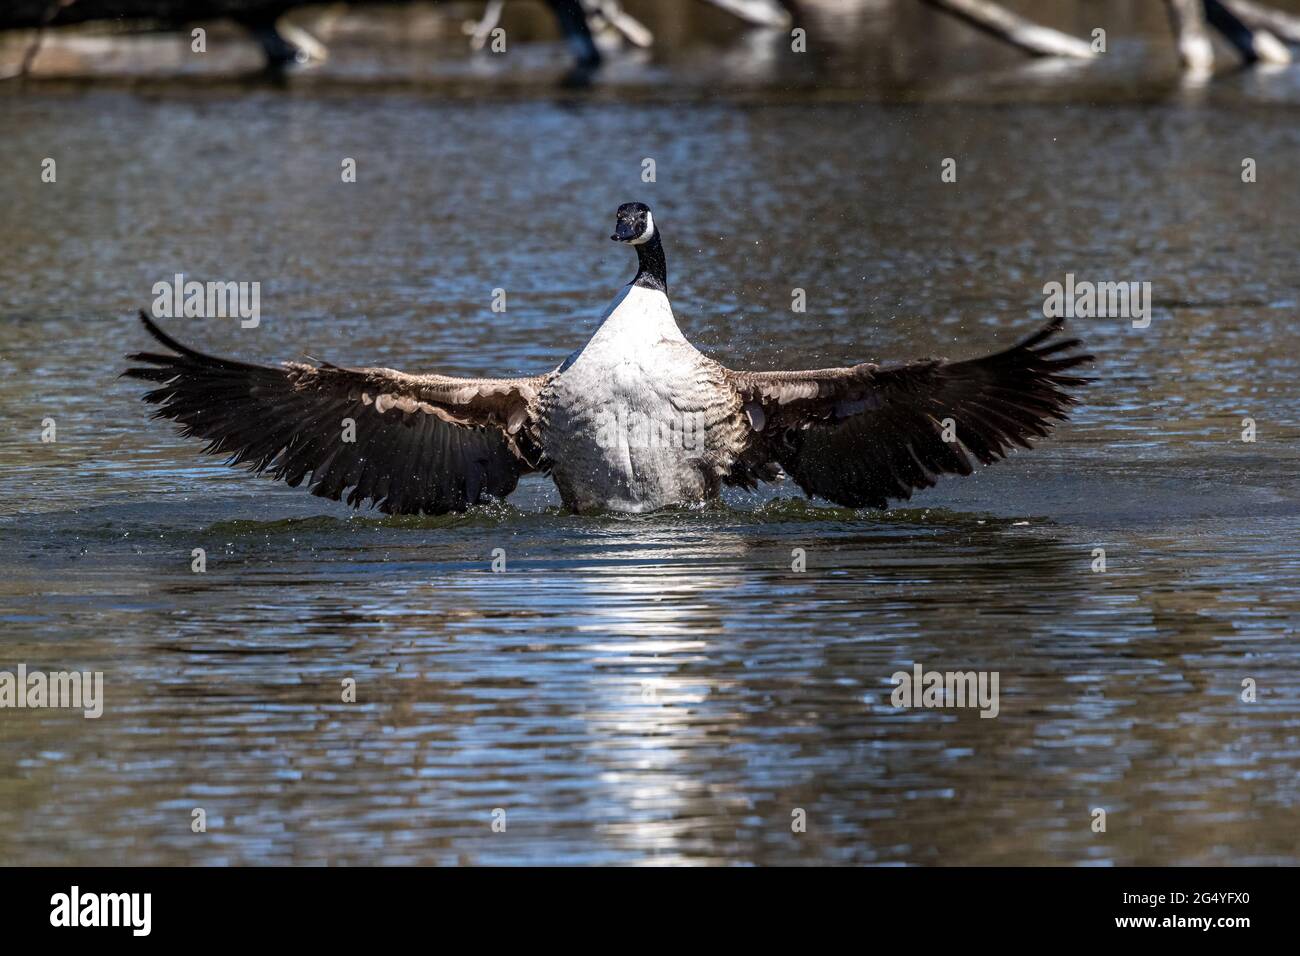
{"x": 661, "y": 688}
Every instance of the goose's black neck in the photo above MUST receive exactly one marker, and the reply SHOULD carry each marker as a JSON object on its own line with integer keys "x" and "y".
{"x": 653, "y": 271}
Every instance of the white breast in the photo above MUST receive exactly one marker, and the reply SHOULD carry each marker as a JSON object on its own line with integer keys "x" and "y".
{"x": 638, "y": 317}
{"x": 633, "y": 385}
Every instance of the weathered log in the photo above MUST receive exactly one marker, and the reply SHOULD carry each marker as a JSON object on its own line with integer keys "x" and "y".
{"x": 480, "y": 31}
{"x": 610, "y": 13}
{"x": 1190, "y": 19}
{"x": 285, "y": 45}
{"x": 282, "y": 44}
{"x": 1015, "y": 29}
{"x": 577, "y": 33}
{"x": 1285, "y": 26}
{"x": 1255, "y": 44}
{"x": 1191, "y": 35}
{"x": 570, "y": 14}
{"x": 761, "y": 13}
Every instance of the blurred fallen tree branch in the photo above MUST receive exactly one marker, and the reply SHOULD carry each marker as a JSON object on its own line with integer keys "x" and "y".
{"x": 998, "y": 21}
{"x": 1285, "y": 26}
{"x": 1247, "y": 26}
{"x": 1255, "y": 30}
{"x": 1252, "y": 29}
{"x": 286, "y": 45}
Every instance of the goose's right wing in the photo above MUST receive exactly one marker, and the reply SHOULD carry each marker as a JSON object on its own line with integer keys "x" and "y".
{"x": 409, "y": 444}
{"x": 863, "y": 435}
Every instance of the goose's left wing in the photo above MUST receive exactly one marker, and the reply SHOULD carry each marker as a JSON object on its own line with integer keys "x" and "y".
{"x": 863, "y": 435}
{"x": 409, "y": 444}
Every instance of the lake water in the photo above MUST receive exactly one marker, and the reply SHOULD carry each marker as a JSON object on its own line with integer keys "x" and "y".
{"x": 663, "y": 688}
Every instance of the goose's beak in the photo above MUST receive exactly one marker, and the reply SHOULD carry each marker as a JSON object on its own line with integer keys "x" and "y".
{"x": 624, "y": 232}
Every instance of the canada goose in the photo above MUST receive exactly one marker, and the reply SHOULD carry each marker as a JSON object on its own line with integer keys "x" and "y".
{"x": 636, "y": 419}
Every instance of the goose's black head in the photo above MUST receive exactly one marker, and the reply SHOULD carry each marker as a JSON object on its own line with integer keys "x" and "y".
{"x": 634, "y": 225}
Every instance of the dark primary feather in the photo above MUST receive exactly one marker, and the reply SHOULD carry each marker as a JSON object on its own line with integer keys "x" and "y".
{"x": 424, "y": 443}
{"x": 863, "y": 435}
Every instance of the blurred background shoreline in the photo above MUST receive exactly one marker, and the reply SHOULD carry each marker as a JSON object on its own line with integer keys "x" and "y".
{"x": 882, "y": 50}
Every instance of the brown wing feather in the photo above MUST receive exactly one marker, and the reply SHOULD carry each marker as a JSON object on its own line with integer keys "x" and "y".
{"x": 863, "y": 435}
{"x": 424, "y": 443}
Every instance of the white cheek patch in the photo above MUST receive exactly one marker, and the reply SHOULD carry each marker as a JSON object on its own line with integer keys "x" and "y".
{"x": 649, "y": 231}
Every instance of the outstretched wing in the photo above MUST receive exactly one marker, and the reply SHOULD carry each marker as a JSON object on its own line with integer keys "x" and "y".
{"x": 863, "y": 435}
{"x": 415, "y": 443}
